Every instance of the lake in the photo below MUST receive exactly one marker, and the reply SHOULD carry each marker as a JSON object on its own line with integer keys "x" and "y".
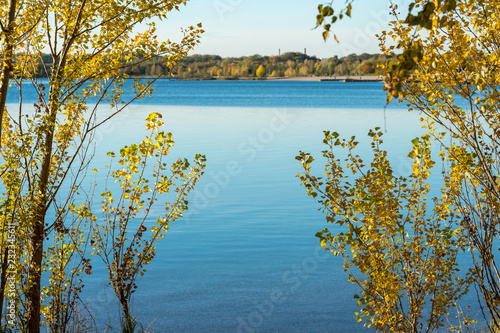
{"x": 245, "y": 258}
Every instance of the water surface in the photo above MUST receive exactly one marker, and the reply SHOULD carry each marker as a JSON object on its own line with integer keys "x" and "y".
{"x": 245, "y": 258}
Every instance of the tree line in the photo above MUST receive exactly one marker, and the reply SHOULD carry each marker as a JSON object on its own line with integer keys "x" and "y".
{"x": 289, "y": 64}
{"x": 206, "y": 66}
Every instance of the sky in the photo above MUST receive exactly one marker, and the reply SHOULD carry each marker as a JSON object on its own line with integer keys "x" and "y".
{"x": 237, "y": 28}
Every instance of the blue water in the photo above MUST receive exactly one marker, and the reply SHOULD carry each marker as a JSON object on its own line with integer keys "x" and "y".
{"x": 253, "y": 94}
{"x": 245, "y": 258}
{"x": 270, "y": 94}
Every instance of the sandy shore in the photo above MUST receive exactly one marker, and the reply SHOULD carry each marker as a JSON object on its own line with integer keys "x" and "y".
{"x": 328, "y": 78}
{"x": 294, "y": 78}
{"x": 300, "y": 78}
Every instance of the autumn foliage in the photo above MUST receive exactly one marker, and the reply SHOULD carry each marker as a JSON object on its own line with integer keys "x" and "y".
{"x": 400, "y": 253}
{"x": 46, "y": 215}
{"x": 444, "y": 65}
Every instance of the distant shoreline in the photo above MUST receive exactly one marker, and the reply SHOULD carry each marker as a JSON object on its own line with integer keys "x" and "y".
{"x": 330, "y": 78}
{"x": 297, "y": 78}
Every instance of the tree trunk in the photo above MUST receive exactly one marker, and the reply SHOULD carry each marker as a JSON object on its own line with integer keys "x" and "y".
{"x": 38, "y": 230}
{"x": 5, "y": 70}
{"x": 35, "y": 271}
{"x": 128, "y": 317}
{"x": 3, "y": 278}
{"x": 6, "y": 64}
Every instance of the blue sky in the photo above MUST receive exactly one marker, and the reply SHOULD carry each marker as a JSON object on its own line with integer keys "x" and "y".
{"x": 246, "y": 27}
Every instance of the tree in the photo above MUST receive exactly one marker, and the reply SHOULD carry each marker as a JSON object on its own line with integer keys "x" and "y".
{"x": 402, "y": 258}
{"x": 444, "y": 66}
{"x": 125, "y": 253}
{"x": 454, "y": 85}
{"x": 261, "y": 72}
{"x": 367, "y": 68}
{"x": 89, "y": 42}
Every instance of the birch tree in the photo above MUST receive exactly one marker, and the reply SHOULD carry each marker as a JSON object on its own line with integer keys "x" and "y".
{"x": 48, "y": 148}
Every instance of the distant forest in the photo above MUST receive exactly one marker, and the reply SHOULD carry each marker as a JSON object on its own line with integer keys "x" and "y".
{"x": 290, "y": 64}
{"x": 286, "y": 65}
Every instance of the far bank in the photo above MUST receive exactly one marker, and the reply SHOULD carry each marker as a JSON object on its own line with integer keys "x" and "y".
{"x": 361, "y": 78}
